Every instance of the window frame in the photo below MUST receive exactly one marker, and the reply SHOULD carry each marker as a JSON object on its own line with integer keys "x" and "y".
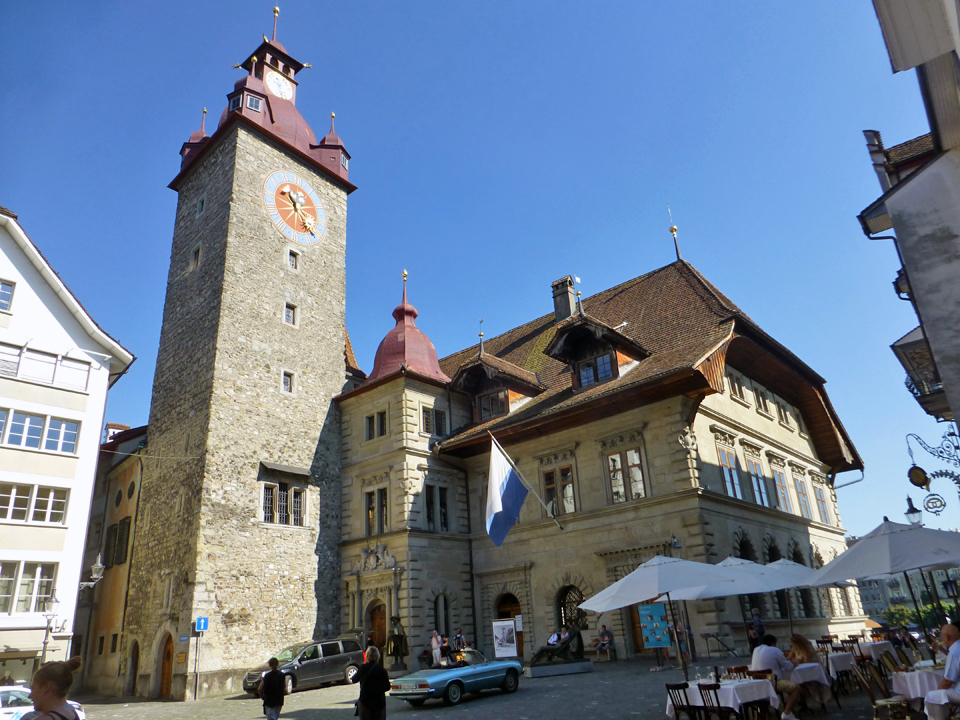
{"x": 370, "y": 427}
{"x": 821, "y": 499}
{"x": 436, "y": 510}
{"x": 503, "y": 402}
{"x": 383, "y": 423}
{"x": 758, "y": 481}
{"x": 624, "y": 469}
{"x": 593, "y": 364}
{"x": 783, "y": 414}
{"x": 12, "y": 291}
{"x": 236, "y": 103}
{"x": 280, "y": 499}
{"x": 294, "y": 311}
{"x": 25, "y": 435}
{"x": 554, "y": 486}
{"x": 433, "y": 421}
{"x": 297, "y": 257}
{"x": 738, "y": 390}
{"x": 16, "y": 368}
{"x": 783, "y": 492}
{"x": 803, "y": 500}
{"x": 38, "y": 582}
{"x": 762, "y": 399}
{"x": 201, "y": 204}
{"x": 292, "y": 377}
{"x": 61, "y": 440}
{"x": 730, "y": 472}
{"x": 254, "y": 103}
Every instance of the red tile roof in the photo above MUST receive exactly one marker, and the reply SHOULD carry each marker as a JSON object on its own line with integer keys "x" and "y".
{"x": 910, "y": 150}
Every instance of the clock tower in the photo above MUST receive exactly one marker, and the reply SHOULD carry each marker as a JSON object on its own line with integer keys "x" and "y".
{"x": 240, "y": 517}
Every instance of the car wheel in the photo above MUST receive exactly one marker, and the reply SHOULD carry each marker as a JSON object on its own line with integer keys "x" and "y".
{"x": 288, "y": 684}
{"x": 350, "y": 674}
{"x": 453, "y": 694}
{"x": 416, "y": 703}
{"x": 510, "y": 682}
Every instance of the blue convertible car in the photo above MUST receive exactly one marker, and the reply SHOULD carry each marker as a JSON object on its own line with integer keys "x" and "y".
{"x": 468, "y": 671}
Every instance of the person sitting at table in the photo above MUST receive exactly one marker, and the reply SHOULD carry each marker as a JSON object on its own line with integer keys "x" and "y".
{"x": 767, "y": 656}
{"x": 938, "y": 702}
{"x": 801, "y": 650}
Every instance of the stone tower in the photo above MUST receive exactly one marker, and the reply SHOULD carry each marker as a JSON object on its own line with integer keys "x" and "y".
{"x": 241, "y": 515}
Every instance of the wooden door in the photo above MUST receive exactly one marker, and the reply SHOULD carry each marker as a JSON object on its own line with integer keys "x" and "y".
{"x": 635, "y": 629}
{"x": 166, "y": 673}
{"x": 378, "y": 622}
{"x": 508, "y": 607}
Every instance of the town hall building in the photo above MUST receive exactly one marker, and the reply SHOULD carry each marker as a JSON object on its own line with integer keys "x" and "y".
{"x": 285, "y": 495}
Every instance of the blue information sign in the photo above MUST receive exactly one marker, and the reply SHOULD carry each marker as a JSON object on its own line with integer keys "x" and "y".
{"x": 184, "y": 638}
{"x": 653, "y": 625}
{"x": 203, "y": 623}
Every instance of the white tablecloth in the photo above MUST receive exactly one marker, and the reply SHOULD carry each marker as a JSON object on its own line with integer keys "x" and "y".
{"x": 840, "y": 662}
{"x": 875, "y": 649}
{"x": 937, "y": 705}
{"x": 916, "y": 684}
{"x": 734, "y": 693}
{"x": 809, "y": 672}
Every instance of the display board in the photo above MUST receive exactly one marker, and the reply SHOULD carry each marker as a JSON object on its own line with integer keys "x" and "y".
{"x": 504, "y": 638}
{"x": 653, "y": 625}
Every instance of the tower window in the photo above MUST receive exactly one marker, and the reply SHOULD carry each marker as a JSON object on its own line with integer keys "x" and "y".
{"x": 200, "y": 205}
{"x": 381, "y": 423}
{"x": 235, "y": 103}
{"x": 344, "y": 160}
{"x": 253, "y": 103}
{"x": 288, "y": 384}
{"x": 195, "y": 258}
{"x": 293, "y": 259}
{"x": 290, "y": 314}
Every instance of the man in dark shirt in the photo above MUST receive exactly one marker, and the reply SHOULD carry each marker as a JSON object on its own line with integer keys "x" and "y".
{"x": 272, "y": 690}
{"x": 606, "y": 642}
{"x": 374, "y": 683}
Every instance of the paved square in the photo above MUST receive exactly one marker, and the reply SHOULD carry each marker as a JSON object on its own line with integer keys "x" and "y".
{"x": 625, "y": 689}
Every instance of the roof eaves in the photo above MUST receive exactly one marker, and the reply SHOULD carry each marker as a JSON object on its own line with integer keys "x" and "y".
{"x": 876, "y": 209}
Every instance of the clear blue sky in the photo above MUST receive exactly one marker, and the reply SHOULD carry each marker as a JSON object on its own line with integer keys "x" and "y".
{"x": 499, "y": 146}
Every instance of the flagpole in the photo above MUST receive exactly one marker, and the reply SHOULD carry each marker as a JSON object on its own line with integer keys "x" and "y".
{"x": 524, "y": 480}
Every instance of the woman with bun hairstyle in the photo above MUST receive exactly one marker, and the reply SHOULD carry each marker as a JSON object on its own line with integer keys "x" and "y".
{"x": 49, "y": 689}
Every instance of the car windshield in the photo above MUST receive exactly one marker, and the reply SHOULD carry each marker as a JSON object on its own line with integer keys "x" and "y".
{"x": 15, "y": 698}
{"x": 472, "y": 657}
{"x": 289, "y": 653}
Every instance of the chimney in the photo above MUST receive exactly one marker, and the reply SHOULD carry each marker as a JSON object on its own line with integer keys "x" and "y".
{"x": 875, "y": 148}
{"x": 564, "y": 299}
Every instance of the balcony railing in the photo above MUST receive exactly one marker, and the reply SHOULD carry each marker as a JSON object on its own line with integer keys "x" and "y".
{"x": 922, "y": 387}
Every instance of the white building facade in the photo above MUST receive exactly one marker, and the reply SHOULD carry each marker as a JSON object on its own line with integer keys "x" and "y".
{"x": 56, "y": 365}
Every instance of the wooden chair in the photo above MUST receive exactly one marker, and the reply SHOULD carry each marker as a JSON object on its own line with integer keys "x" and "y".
{"x": 914, "y": 647}
{"x": 881, "y": 682}
{"x": 681, "y": 703}
{"x": 755, "y": 710}
{"x": 824, "y": 645}
{"x": 711, "y": 703}
{"x": 739, "y": 672}
{"x": 890, "y": 663}
{"x": 892, "y": 707}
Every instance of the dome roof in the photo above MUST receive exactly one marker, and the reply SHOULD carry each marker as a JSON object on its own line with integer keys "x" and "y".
{"x": 406, "y": 347}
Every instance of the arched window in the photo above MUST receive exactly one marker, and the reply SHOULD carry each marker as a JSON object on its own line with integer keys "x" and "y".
{"x": 568, "y": 610}
{"x": 807, "y": 607}
{"x": 441, "y": 615}
{"x": 743, "y": 549}
{"x": 780, "y": 596}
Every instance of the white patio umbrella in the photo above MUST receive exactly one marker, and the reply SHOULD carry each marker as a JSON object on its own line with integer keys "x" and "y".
{"x": 656, "y": 577}
{"x": 892, "y": 548}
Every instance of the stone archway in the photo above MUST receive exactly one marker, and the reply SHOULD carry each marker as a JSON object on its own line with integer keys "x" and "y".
{"x": 376, "y": 621}
{"x": 153, "y": 659}
{"x": 507, "y": 608}
{"x": 133, "y": 670}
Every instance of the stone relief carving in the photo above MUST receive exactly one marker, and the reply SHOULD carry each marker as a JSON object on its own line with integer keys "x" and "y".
{"x": 776, "y": 461}
{"x": 749, "y": 449}
{"x": 631, "y": 437}
{"x": 376, "y": 479}
{"x": 797, "y": 469}
{"x": 557, "y": 457}
{"x": 375, "y": 558}
{"x": 689, "y": 441}
{"x": 817, "y": 478}
{"x": 723, "y": 436}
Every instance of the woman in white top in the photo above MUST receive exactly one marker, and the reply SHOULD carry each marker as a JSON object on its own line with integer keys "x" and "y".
{"x": 435, "y": 644}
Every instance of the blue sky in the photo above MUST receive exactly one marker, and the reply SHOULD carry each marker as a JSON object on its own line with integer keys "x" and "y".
{"x": 497, "y": 147}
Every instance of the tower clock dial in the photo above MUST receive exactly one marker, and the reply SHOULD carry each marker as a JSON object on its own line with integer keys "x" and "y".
{"x": 294, "y": 207}
{"x": 279, "y": 85}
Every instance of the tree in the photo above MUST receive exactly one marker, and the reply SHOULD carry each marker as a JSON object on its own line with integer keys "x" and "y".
{"x": 899, "y": 615}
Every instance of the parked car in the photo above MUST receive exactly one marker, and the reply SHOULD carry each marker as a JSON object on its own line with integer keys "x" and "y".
{"x": 311, "y": 664}
{"x": 15, "y": 704}
{"x": 467, "y": 671}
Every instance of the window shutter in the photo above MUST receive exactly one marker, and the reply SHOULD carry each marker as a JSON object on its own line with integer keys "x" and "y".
{"x": 73, "y": 374}
{"x": 123, "y": 540}
{"x": 37, "y": 366}
{"x": 110, "y": 548}
{"x": 9, "y": 360}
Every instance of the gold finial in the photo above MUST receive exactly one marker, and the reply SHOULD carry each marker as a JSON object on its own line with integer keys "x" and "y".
{"x": 673, "y": 231}
{"x": 332, "y": 115}
{"x": 203, "y": 120}
{"x": 404, "y": 275}
{"x": 481, "y": 337}
{"x": 276, "y": 12}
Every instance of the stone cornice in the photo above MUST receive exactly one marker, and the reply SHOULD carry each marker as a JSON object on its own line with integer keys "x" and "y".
{"x": 505, "y": 570}
{"x": 723, "y": 436}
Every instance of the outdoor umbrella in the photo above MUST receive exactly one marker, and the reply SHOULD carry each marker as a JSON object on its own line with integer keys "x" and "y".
{"x": 892, "y": 548}
{"x": 656, "y": 577}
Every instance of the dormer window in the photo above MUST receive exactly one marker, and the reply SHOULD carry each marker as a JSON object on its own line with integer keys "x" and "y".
{"x": 493, "y": 404}
{"x": 344, "y": 160}
{"x": 253, "y": 103}
{"x": 235, "y": 103}
{"x": 596, "y": 370}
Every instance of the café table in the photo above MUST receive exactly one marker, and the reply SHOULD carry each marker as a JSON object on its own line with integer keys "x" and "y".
{"x": 809, "y": 672}
{"x": 875, "y": 649}
{"x": 841, "y": 662}
{"x": 916, "y": 683}
{"x": 733, "y": 694}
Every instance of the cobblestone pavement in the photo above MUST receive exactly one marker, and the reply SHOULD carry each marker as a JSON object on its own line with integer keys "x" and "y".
{"x": 625, "y": 689}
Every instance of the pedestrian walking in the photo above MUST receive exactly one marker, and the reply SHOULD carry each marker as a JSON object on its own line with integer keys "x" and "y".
{"x": 436, "y": 642}
{"x": 49, "y": 688}
{"x": 272, "y": 689}
{"x": 374, "y": 683}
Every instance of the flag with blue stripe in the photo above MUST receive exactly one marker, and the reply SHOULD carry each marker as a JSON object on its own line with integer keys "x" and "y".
{"x": 505, "y": 495}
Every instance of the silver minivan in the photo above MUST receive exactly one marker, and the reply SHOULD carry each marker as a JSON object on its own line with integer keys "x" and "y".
{"x": 311, "y": 664}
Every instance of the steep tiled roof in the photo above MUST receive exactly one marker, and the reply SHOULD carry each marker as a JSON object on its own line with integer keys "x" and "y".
{"x": 501, "y": 367}
{"x": 673, "y": 312}
{"x": 352, "y": 367}
{"x": 910, "y": 150}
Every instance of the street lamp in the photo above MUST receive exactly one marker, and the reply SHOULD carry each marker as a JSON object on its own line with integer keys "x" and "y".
{"x": 96, "y": 574}
{"x": 912, "y": 514}
{"x": 50, "y": 614}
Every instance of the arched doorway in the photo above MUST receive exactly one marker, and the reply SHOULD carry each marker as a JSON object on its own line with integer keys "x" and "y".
{"x": 568, "y": 608}
{"x": 166, "y": 668}
{"x": 133, "y": 669}
{"x": 377, "y": 619}
{"x": 508, "y": 607}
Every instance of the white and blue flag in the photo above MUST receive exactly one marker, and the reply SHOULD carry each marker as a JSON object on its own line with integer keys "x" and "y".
{"x": 505, "y": 495}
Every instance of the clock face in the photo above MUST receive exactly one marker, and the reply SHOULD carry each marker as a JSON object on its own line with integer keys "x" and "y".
{"x": 279, "y": 85}
{"x": 294, "y": 207}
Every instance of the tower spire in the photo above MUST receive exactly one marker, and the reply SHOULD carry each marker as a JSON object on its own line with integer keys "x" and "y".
{"x": 276, "y": 13}
{"x": 481, "y": 337}
{"x": 673, "y": 231}
{"x": 203, "y": 122}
